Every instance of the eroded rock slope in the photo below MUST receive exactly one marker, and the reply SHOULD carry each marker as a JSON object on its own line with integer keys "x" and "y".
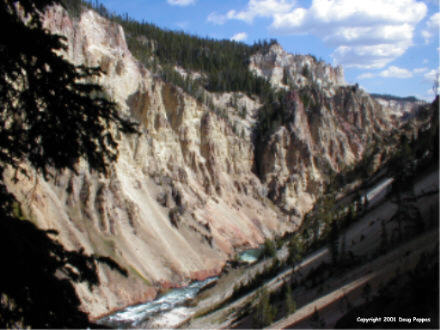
{"x": 185, "y": 193}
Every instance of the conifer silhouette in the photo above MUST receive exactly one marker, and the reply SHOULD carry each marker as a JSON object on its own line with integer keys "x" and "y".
{"x": 51, "y": 115}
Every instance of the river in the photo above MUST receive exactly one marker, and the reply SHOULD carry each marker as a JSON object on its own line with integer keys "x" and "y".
{"x": 250, "y": 256}
{"x": 166, "y": 311}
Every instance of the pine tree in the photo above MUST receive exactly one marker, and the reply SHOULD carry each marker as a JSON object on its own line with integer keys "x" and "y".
{"x": 51, "y": 115}
{"x": 296, "y": 250}
{"x": 316, "y": 320}
{"x": 265, "y": 312}
{"x": 269, "y": 249}
{"x": 334, "y": 243}
{"x": 47, "y": 102}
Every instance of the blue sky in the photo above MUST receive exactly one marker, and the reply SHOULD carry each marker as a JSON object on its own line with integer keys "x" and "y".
{"x": 387, "y": 46}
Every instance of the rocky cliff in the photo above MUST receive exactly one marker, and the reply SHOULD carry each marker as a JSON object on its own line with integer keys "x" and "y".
{"x": 182, "y": 196}
{"x": 321, "y": 135}
{"x": 400, "y": 108}
{"x": 286, "y": 71}
{"x": 185, "y": 194}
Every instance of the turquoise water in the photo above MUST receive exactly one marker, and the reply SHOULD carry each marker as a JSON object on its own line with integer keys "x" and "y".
{"x": 250, "y": 256}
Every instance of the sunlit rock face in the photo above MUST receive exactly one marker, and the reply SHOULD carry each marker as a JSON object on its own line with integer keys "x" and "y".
{"x": 329, "y": 127}
{"x": 400, "y": 110}
{"x": 325, "y": 135}
{"x": 285, "y": 70}
{"x": 184, "y": 195}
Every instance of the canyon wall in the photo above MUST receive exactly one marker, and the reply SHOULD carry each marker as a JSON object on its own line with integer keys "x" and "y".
{"x": 180, "y": 200}
{"x": 184, "y": 195}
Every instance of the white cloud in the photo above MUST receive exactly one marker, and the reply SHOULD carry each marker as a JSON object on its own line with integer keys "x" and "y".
{"x": 431, "y": 93}
{"x": 255, "y": 8}
{"x": 432, "y": 27}
{"x": 390, "y": 72}
{"x": 434, "y": 21}
{"x": 365, "y": 34}
{"x": 181, "y": 3}
{"x": 427, "y": 35}
{"x": 428, "y": 96}
{"x": 216, "y": 18}
{"x": 396, "y": 72}
{"x": 367, "y": 75}
{"x": 261, "y": 8}
{"x": 420, "y": 70}
{"x": 241, "y": 36}
{"x": 368, "y": 56}
{"x": 432, "y": 75}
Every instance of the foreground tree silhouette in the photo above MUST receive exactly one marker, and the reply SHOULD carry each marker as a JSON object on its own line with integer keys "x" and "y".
{"x": 51, "y": 115}
{"x": 46, "y": 102}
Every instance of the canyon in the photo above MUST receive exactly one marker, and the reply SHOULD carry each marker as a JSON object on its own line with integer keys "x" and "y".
{"x": 194, "y": 188}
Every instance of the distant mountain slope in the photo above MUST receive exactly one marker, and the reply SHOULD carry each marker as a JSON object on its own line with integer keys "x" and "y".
{"x": 395, "y": 98}
{"x": 402, "y": 108}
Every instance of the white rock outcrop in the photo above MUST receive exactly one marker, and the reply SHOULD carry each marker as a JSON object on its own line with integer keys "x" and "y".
{"x": 285, "y": 70}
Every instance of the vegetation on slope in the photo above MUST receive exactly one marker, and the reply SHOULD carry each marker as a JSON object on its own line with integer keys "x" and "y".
{"x": 324, "y": 225}
{"x": 214, "y": 66}
{"x": 40, "y": 124}
{"x": 222, "y": 63}
{"x": 395, "y": 98}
